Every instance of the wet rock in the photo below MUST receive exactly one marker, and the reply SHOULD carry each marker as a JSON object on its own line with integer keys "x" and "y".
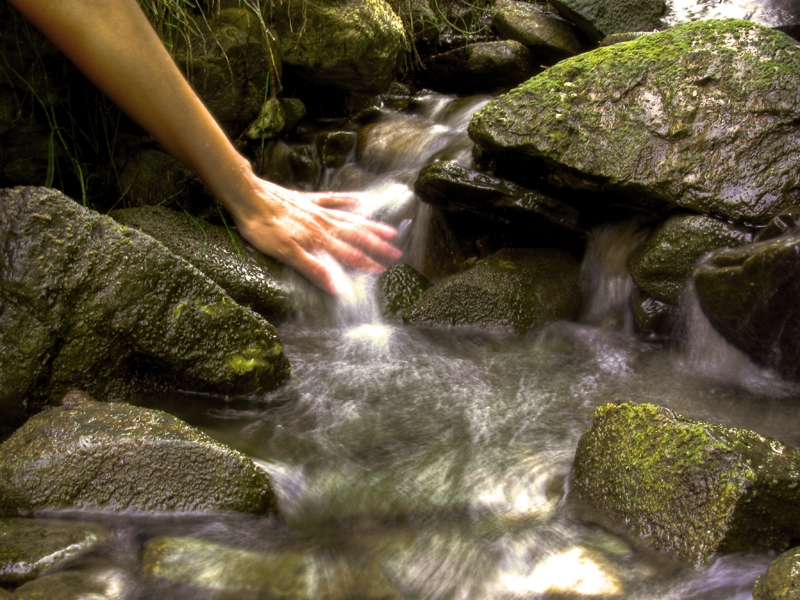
{"x": 782, "y": 580}
{"x": 529, "y": 215}
{"x": 86, "y": 302}
{"x": 356, "y": 46}
{"x": 665, "y": 261}
{"x": 28, "y": 547}
{"x": 599, "y": 18}
{"x": 517, "y": 288}
{"x": 152, "y": 178}
{"x": 335, "y": 147}
{"x": 228, "y": 65}
{"x": 249, "y": 277}
{"x": 400, "y": 287}
{"x": 419, "y": 20}
{"x": 619, "y": 38}
{"x": 276, "y": 573}
{"x": 115, "y": 457}
{"x": 703, "y": 118}
{"x": 297, "y": 166}
{"x": 76, "y": 585}
{"x": 691, "y": 489}
{"x": 293, "y": 111}
{"x": 751, "y": 295}
{"x": 480, "y": 67}
{"x": 650, "y": 316}
{"x": 269, "y": 122}
{"x": 780, "y": 224}
{"x": 549, "y": 37}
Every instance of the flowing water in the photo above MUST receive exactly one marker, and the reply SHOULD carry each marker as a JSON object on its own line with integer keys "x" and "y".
{"x": 434, "y": 462}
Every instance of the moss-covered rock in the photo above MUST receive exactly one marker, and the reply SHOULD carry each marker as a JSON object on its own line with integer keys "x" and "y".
{"x": 419, "y": 20}
{"x": 97, "y": 584}
{"x": 248, "y": 276}
{"x": 479, "y": 68}
{"x": 293, "y": 111}
{"x": 665, "y": 261}
{"x": 599, "y": 18}
{"x": 28, "y": 547}
{"x": 751, "y": 295}
{"x": 650, "y": 316}
{"x": 282, "y": 574}
{"x": 549, "y": 37}
{"x": 116, "y": 457}
{"x": 86, "y": 302}
{"x": 782, "y": 580}
{"x": 269, "y": 122}
{"x": 529, "y": 215}
{"x": 229, "y": 61}
{"x": 691, "y": 489}
{"x": 335, "y": 147}
{"x": 400, "y": 287}
{"x": 701, "y": 116}
{"x": 518, "y": 288}
{"x": 354, "y": 45}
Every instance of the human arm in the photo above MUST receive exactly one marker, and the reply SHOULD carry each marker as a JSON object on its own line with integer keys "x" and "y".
{"x": 113, "y": 44}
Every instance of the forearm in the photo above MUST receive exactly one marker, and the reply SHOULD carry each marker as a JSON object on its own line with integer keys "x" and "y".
{"x": 114, "y": 45}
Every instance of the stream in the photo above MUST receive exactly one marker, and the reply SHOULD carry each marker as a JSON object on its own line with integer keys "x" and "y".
{"x": 435, "y": 462}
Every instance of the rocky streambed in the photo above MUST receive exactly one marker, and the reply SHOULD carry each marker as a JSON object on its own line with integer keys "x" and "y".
{"x": 581, "y": 381}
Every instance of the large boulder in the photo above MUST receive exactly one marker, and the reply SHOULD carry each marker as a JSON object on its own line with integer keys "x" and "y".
{"x": 117, "y": 457}
{"x": 782, "y": 580}
{"x": 691, "y": 489}
{"x": 249, "y": 277}
{"x": 399, "y": 287}
{"x": 353, "y": 44}
{"x": 665, "y": 261}
{"x": 701, "y": 116}
{"x": 529, "y": 216}
{"x": 87, "y": 302}
{"x": 28, "y": 547}
{"x": 599, "y": 18}
{"x": 751, "y": 295}
{"x": 482, "y": 67}
{"x": 517, "y": 288}
{"x": 549, "y": 37}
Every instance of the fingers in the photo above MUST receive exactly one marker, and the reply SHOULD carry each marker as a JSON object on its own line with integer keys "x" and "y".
{"x": 333, "y": 200}
{"x": 363, "y": 239}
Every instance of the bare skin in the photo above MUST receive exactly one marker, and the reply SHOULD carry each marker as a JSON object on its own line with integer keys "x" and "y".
{"x": 114, "y": 45}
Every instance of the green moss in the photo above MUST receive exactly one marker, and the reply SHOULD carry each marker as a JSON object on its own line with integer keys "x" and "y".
{"x": 246, "y": 362}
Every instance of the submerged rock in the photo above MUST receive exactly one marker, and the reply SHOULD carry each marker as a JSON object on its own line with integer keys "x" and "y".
{"x": 701, "y": 116}
{"x": 248, "y": 276}
{"x": 599, "y": 18}
{"x": 352, "y": 45}
{"x": 782, "y": 580}
{"x": 530, "y": 216}
{"x": 86, "y": 302}
{"x": 665, "y": 261}
{"x": 519, "y": 288}
{"x": 399, "y": 287}
{"x": 480, "y": 68}
{"x": 28, "y": 547}
{"x": 275, "y": 573}
{"x": 549, "y": 37}
{"x": 650, "y": 316}
{"x": 691, "y": 489}
{"x": 97, "y": 584}
{"x": 115, "y": 457}
{"x": 751, "y": 295}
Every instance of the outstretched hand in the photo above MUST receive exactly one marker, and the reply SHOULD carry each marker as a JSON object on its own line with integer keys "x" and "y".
{"x": 299, "y": 229}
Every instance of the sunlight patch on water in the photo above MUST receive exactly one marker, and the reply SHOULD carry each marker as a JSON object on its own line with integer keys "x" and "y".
{"x": 372, "y": 333}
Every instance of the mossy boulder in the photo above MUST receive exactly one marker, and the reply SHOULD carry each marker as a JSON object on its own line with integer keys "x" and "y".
{"x": 782, "y": 580}
{"x": 28, "y": 547}
{"x": 97, "y": 584}
{"x": 688, "y": 488}
{"x": 662, "y": 265}
{"x": 549, "y": 37}
{"x": 400, "y": 287}
{"x": 701, "y": 116}
{"x": 229, "y": 61}
{"x": 353, "y": 45}
{"x": 269, "y": 122}
{"x": 528, "y": 215}
{"x": 599, "y": 18}
{"x": 419, "y": 20}
{"x": 116, "y": 457}
{"x": 86, "y": 302}
{"x": 517, "y": 288}
{"x": 281, "y": 573}
{"x": 249, "y": 277}
{"x": 751, "y": 295}
{"x": 482, "y": 67}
